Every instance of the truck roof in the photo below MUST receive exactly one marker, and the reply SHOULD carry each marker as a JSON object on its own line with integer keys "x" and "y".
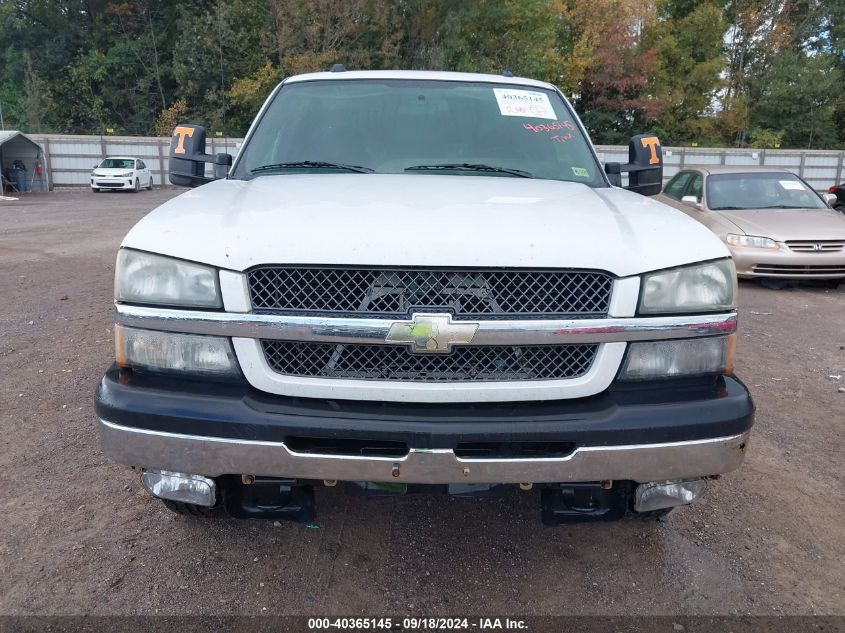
{"x": 430, "y": 75}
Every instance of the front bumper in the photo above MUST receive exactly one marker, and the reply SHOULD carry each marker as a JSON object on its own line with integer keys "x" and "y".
{"x": 786, "y": 264}
{"x": 654, "y": 432}
{"x": 215, "y": 456}
{"x": 117, "y": 183}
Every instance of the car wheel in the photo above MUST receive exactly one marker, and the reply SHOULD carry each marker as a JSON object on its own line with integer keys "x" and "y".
{"x": 137, "y": 186}
{"x": 95, "y": 190}
{"x": 150, "y": 184}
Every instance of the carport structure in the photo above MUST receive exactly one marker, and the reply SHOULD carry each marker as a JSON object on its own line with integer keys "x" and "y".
{"x": 18, "y": 149}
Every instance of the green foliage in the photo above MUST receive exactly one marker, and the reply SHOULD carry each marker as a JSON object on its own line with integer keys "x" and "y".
{"x": 170, "y": 117}
{"x": 492, "y": 36}
{"x": 688, "y": 37}
{"x": 786, "y": 66}
{"x": 710, "y": 72}
{"x": 798, "y": 94}
{"x": 762, "y": 138}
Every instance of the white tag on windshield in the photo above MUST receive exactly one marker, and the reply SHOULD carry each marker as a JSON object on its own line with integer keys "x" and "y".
{"x": 794, "y": 185}
{"x": 529, "y": 103}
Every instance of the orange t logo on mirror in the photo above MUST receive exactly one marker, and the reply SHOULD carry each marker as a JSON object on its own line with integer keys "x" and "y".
{"x": 650, "y": 142}
{"x": 182, "y": 132}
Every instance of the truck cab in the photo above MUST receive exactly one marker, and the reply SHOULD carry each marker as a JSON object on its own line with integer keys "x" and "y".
{"x": 422, "y": 282}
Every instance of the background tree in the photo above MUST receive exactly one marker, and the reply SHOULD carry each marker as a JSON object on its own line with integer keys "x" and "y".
{"x": 612, "y": 68}
{"x": 688, "y": 37}
{"x": 732, "y": 72}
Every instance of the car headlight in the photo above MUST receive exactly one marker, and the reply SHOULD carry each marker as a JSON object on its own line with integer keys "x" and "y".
{"x": 171, "y": 352}
{"x": 708, "y": 287}
{"x": 126, "y": 175}
{"x": 752, "y": 241}
{"x": 683, "y": 357}
{"x": 146, "y": 278}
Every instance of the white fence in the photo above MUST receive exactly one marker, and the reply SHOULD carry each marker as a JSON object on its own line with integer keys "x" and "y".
{"x": 820, "y": 168}
{"x": 69, "y": 159}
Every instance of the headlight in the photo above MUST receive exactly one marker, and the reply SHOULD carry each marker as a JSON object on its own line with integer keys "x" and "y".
{"x": 709, "y": 287}
{"x": 126, "y": 175}
{"x": 147, "y": 278}
{"x": 171, "y": 352}
{"x": 682, "y": 357}
{"x": 753, "y": 241}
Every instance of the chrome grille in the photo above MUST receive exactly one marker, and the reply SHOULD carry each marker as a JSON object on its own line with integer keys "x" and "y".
{"x": 397, "y": 362}
{"x": 395, "y": 292}
{"x": 816, "y": 246}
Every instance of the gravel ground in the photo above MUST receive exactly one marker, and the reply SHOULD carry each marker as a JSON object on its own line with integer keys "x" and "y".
{"x": 80, "y": 536}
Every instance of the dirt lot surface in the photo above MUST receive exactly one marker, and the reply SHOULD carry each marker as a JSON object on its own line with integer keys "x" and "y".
{"x": 80, "y": 536}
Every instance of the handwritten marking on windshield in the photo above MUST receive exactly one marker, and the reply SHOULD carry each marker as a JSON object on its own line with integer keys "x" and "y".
{"x": 549, "y": 127}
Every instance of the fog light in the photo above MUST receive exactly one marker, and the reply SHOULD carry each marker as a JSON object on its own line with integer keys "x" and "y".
{"x": 183, "y": 487}
{"x": 667, "y": 494}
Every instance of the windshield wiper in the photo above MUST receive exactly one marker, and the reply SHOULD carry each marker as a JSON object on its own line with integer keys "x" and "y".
{"x": 727, "y": 208}
{"x": 470, "y": 167}
{"x": 306, "y": 164}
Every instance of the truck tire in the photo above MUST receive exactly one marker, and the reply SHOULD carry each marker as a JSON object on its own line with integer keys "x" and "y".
{"x": 190, "y": 509}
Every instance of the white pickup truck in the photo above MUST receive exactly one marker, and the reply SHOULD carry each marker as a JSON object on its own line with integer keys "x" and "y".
{"x": 422, "y": 282}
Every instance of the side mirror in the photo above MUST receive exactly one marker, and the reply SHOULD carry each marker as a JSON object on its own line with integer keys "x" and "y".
{"x": 692, "y": 201}
{"x": 644, "y": 166}
{"x": 830, "y": 198}
{"x": 188, "y": 158}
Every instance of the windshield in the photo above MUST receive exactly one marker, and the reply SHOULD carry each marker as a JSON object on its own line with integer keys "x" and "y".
{"x": 773, "y": 190}
{"x": 419, "y": 127}
{"x": 118, "y": 163}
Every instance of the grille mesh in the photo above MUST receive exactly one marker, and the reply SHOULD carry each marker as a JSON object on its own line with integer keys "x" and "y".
{"x": 396, "y": 362}
{"x": 395, "y": 292}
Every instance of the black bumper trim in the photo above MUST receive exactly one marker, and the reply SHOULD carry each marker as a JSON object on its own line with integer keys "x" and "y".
{"x": 642, "y": 414}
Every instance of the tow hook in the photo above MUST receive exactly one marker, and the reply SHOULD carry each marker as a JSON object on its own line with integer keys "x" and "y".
{"x": 270, "y": 498}
{"x": 577, "y": 502}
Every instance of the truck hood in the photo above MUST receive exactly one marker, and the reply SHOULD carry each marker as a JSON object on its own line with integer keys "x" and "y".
{"x": 422, "y": 220}
{"x": 790, "y": 224}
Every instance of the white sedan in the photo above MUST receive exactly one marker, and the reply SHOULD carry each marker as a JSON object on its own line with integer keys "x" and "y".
{"x": 121, "y": 172}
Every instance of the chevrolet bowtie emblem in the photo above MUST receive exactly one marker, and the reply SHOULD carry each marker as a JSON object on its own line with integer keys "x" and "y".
{"x": 431, "y": 333}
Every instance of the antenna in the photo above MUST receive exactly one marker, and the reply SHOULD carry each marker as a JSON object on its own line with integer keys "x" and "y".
{"x": 338, "y": 68}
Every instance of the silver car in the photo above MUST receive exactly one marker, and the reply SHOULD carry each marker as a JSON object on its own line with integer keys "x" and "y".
{"x": 774, "y": 223}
